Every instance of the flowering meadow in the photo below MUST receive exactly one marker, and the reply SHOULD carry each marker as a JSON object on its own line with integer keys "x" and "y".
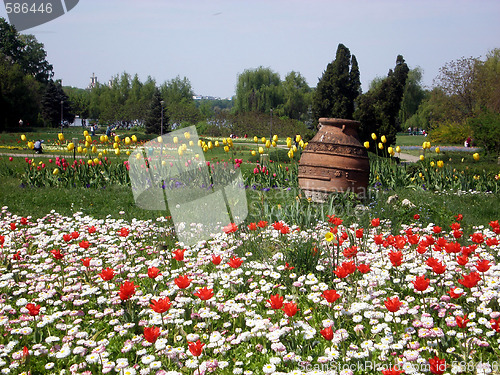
{"x": 87, "y": 296}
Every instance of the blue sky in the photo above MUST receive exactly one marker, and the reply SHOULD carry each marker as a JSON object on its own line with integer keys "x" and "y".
{"x": 211, "y": 42}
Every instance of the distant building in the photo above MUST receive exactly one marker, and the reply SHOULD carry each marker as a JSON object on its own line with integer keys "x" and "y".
{"x": 93, "y": 82}
{"x": 208, "y": 97}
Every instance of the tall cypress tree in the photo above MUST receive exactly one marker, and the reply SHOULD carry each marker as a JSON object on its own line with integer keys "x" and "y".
{"x": 338, "y": 87}
{"x": 153, "y": 116}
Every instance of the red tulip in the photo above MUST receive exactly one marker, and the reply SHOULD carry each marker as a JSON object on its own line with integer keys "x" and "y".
{"x": 67, "y": 237}
{"x": 182, "y": 281}
{"x": 421, "y": 283}
{"x": 330, "y": 295}
{"x": 153, "y": 272}
{"x": 86, "y": 262}
{"x": 470, "y": 280}
{"x": 375, "y": 222}
{"x": 124, "y": 232}
{"x": 84, "y": 244}
{"x": 290, "y": 308}
{"x": 107, "y": 274}
{"x": 151, "y": 333}
{"x": 483, "y": 265}
{"x": 160, "y": 306}
{"x": 196, "y": 348}
{"x": 495, "y": 324}
{"x": 252, "y": 226}
{"x": 57, "y": 254}
{"x": 204, "y": 293}
{"x": 216, "y": 259}
{"x": 438, "y": 366}
{"x": 396, "y": 258}
{"x": 92, "y": 229}
{"x": 179, "y": 254}
{"x": 327, "y": 333}
{"x": 262, "y": 224}
{"x": 462, "y": 321}
{"x": 393, "y": 371}
{"x": 230, "y": 228}
{"x": 75, "y": 235}
{"x": 235, "y": 262}
{"x": 341, "y": 272}
{"x": 127, "y": 290}
{"x": 364, "y": 268}
{"x": 454, "y": 295}
{"x": 393, "y": 304}
{"x": 276, "y": 301}
{"x": 33, "y": 309}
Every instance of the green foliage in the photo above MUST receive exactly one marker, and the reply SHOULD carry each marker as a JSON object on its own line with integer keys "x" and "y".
{"x": 338, "y": 87}
{"x": 25, "y": 51}
{"x": 413, "y": 95}
{"x": 154, "y": 115}
{"x": 51, "y": 105}
{"x": 451, "y": 132}
{"x": 486, "y": 128}
{"x": 258, "y": 90}
{"x": 378, "y": 109}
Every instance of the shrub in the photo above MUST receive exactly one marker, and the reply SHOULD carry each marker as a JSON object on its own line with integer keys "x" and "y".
{"x": 451, "y": 132}
{"x": 486, "y": 128}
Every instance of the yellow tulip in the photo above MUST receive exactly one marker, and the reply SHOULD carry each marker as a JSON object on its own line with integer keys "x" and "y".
{"x": 422, "y": 157}
{"x": 128, "y": 141}
{"x": 301, "y": 144}
{"x": 134, "y": 138}
{"x": 115, "y": 145}
{"x": 94, "y": 149}
{"x": 290, "y": 154}
{"x": 226, "y": 148}
{"x": 117, "y": 138}
{"x": 138, "y": 156}
{"x": 90, "y": 162}
{"x": 60, "y": 136}
{"x": 187, "y": 135}
{"x": 70, "y": 146}
{"x": 275, "y": 138}
{"x": 274, "y": 144}
{"x": 96, "y": 161}
{"x": 87, "y": 144}
{"x": 106, "y": 138}
{"x": 261, "y": 150}
{"x": 23, "y": 138}
{"x": 85, "y": 150}
{"x": 55, "y": 172}
{"x": 268, "y": 143}
{"x": 99, "y": 155}
{"x": 197, "y": 156}
{"x": 102, "y": 139}
{"x": 329, "y": 236}
{"x": 255, "y": 139}
{"x": 85, "y": 133}
{"x": 230, "y": 142}
{"x": 205, "y": 148}
{"x": 79, "y": 149}
{"x": 216, "y": 143}
{"x": 298, "y": 138}
{"x": 383, "y": 139}
{"x": 381, "y": 145}
{"x": 184, "y": 147}
{"x": 440, "y": 163}
{"x": 180, "y": 151}
{"x": 88, "y": 138}
{"x": 398, "y": 149}
{"x": 210, "y": 146}
{"x": 163, "y": 163}
{"x": 374, "y": 136}
{"x": 438, "y": 150}
{"x": 289, "y": 143}
{"x": 432, "y": 164}
{"x": 224, "y": 141}
{"x": 105, "y": 152}
{"x": 366, "y": 144}
{"x": 117, "y": 151}
{"x": 191, "y": 143}
{"x": 160, "y": 139}
{"x": 390, "y": 150}
{"x": 200, "y": 143}
{"x": 176, "y": 140}
{"x": 263, "y": 139}
{"x": 253, "y": 153}
{"x": 294, "y": 148}
{"x": 475, "y": 156}
{"x": 31, "y": 145}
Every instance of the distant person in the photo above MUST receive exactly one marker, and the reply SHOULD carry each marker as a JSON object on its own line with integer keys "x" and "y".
{"x": 38, "y": 147}
{"x": 468, "y": 142}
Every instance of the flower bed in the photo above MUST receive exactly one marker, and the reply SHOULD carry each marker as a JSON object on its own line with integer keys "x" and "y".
{"x": 86, "y": 296}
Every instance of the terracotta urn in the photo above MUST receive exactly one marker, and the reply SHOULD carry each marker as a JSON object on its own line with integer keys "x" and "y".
{"x": 334, "y": 161}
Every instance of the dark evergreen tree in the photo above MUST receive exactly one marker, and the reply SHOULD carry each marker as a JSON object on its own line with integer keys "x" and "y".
{"x": 51, "y": 105}
{"x": 338, "y": 88}
{"x": 153, "y": 116}
{"x": 378, "y": 109}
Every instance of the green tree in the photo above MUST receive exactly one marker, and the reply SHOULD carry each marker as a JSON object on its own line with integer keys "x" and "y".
{"x": 19, "y": 96}
{"x": 179, "y": 103}
{"x": 297, "y": 96}
{"x": 258, "y": 90}
{"x": 154, "y": 115}
{"x": 338, "y": 87}
{"x": 413, "y": 95}
{"x": 51, "y": 105}
{"x": 378, "y": 109}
